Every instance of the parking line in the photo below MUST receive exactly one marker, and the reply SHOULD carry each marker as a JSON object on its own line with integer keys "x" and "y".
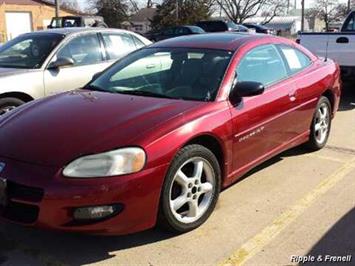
{"x": 259, "y": 241}
{"x": 323, "y": 157}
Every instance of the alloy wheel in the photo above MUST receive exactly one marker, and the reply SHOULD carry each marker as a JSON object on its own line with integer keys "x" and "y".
{"x": 191, "y": 192}
{"x": 6, "y": 109}
{"x": 322, "y": 122}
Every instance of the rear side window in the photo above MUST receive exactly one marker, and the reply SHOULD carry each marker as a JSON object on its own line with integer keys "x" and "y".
{"x": 138, "y": 42}
{"x": 118, "y": 44}
{"x": 263, "y": 64}
{"x": 296, "y": 60}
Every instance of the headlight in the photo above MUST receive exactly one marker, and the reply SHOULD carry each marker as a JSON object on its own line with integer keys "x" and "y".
{"x": 118, "y": 162}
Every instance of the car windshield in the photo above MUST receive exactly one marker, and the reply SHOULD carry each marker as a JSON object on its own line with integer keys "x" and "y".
{"x": 28, "y": 51}
{"x": 176, "y": 73}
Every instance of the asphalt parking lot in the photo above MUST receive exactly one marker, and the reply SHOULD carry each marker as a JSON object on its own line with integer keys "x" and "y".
{"x": 296, "y": 204}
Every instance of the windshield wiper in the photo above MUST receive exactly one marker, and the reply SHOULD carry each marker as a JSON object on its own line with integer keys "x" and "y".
{"x": 145, "y": 93}
{"x": 95, "y": 88}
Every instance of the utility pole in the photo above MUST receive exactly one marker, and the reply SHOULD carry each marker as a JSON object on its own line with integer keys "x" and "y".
{"x": 57, "y": 8}
{"x": 302, "y": 19}
{"x": 349, "y": 6}
{"x": 177, "y": 11}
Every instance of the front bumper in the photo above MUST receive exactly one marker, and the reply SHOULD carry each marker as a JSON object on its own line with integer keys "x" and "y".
{"x": 41, "y": 197}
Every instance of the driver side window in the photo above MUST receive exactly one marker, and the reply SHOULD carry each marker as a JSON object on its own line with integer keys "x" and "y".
{"x": 351, "y": 24}
{"x": 84, "y": 50}
{"x": 263, "y": 64}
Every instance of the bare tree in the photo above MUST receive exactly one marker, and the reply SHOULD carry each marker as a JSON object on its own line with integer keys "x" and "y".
{"x": 72, "y": 5}
{"x": 133, "y": 6}
{"x": 150, "y": 4}
{"x": 68, "y": 4}
{"x": 328, "y": 11}
{"x": 240, "y": 10}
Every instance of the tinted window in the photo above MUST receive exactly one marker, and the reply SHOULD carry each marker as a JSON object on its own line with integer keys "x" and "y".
{"x": 295, "y": 59}
{"x": 84, "y": 50}
{"x": 178, "y": 73}
{"x": 28, "y": 51}
{"x": 71, "y": 22}
{"x": 118, "y": 45}
{"x": 263, "y": 64}
{"x": 168, "y": 32}
{"x": 213, "y": 26}
{"x": 181, "y": 31}
{"x": 351, "y": 24}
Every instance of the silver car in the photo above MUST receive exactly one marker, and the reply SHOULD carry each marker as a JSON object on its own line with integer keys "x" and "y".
{"x": 44, "y": 63}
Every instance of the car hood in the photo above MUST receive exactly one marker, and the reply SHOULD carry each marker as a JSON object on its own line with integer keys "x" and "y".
{"x": 5, "y": 72}
{"x": 56, "y": 130}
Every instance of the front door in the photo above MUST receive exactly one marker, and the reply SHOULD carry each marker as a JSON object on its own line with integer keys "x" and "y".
{"x": 263, "y": 123}
{"x": 86, "y": 52}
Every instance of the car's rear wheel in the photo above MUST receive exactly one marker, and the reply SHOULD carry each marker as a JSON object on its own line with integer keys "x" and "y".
{"x": 8, "y": 104}
{"x": 191, "y": 189}
{"x": 321, "y": 124}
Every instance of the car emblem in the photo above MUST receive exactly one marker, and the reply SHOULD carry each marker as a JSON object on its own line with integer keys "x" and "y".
{"x": 2, "y": 166}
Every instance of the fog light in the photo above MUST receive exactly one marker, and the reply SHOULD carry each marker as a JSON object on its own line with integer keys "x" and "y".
{"x": 96, "y": 212}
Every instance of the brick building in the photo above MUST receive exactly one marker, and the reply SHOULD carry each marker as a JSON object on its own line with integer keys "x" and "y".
{"x": 21, "y": 16}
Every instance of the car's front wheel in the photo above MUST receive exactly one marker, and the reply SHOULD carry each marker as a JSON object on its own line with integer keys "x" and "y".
{"x": 190, "y": 190}
{"x": 8, "y": 104}
{"x": 321, "y": 124}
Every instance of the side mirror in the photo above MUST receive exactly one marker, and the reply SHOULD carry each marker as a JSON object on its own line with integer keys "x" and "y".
{"x": 95, "y": 76}
{"x": 246, "y": 89}
{"x": 61, "y": 62}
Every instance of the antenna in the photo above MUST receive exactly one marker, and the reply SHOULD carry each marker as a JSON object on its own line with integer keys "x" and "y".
{"x": 326, "y": 49}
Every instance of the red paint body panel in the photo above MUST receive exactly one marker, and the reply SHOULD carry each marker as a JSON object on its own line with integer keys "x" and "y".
{"x": 40, "y": 138}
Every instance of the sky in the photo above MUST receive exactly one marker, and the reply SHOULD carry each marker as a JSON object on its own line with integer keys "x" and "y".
{"x": 308, "y": 3}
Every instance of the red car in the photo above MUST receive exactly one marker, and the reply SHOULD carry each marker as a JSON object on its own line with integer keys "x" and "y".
{"x": 155, "y": 137}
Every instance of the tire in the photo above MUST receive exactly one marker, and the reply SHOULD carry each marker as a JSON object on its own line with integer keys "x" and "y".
{"x": 197, "y": 189}
{"x": 8, "y": 104}
{"x": 321, "y": 125}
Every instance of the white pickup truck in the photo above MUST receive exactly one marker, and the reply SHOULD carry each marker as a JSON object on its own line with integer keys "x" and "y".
{"x": 339, "y": 46}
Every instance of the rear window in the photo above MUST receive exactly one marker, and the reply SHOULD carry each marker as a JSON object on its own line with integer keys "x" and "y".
{"x": 213, "y": 26}
{"x": 197, "y": 30}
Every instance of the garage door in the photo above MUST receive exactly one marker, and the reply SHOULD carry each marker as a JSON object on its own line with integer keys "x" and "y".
{"x": 17, "y": 23}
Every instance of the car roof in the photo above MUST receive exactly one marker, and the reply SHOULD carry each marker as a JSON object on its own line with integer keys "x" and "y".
{"x": 230, "y": 41}
{"x": 255, "y": 25}
{"x": 74, "y": 30}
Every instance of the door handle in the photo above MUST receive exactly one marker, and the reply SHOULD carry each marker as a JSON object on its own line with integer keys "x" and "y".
{"x": 293, "y": 96}
{"x": 343, "y": 40}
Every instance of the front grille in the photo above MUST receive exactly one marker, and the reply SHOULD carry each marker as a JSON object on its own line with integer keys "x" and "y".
{"x": 21, "y": 213}
{"x": 21, "y": 192}
{"x": 22, "y": 203}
